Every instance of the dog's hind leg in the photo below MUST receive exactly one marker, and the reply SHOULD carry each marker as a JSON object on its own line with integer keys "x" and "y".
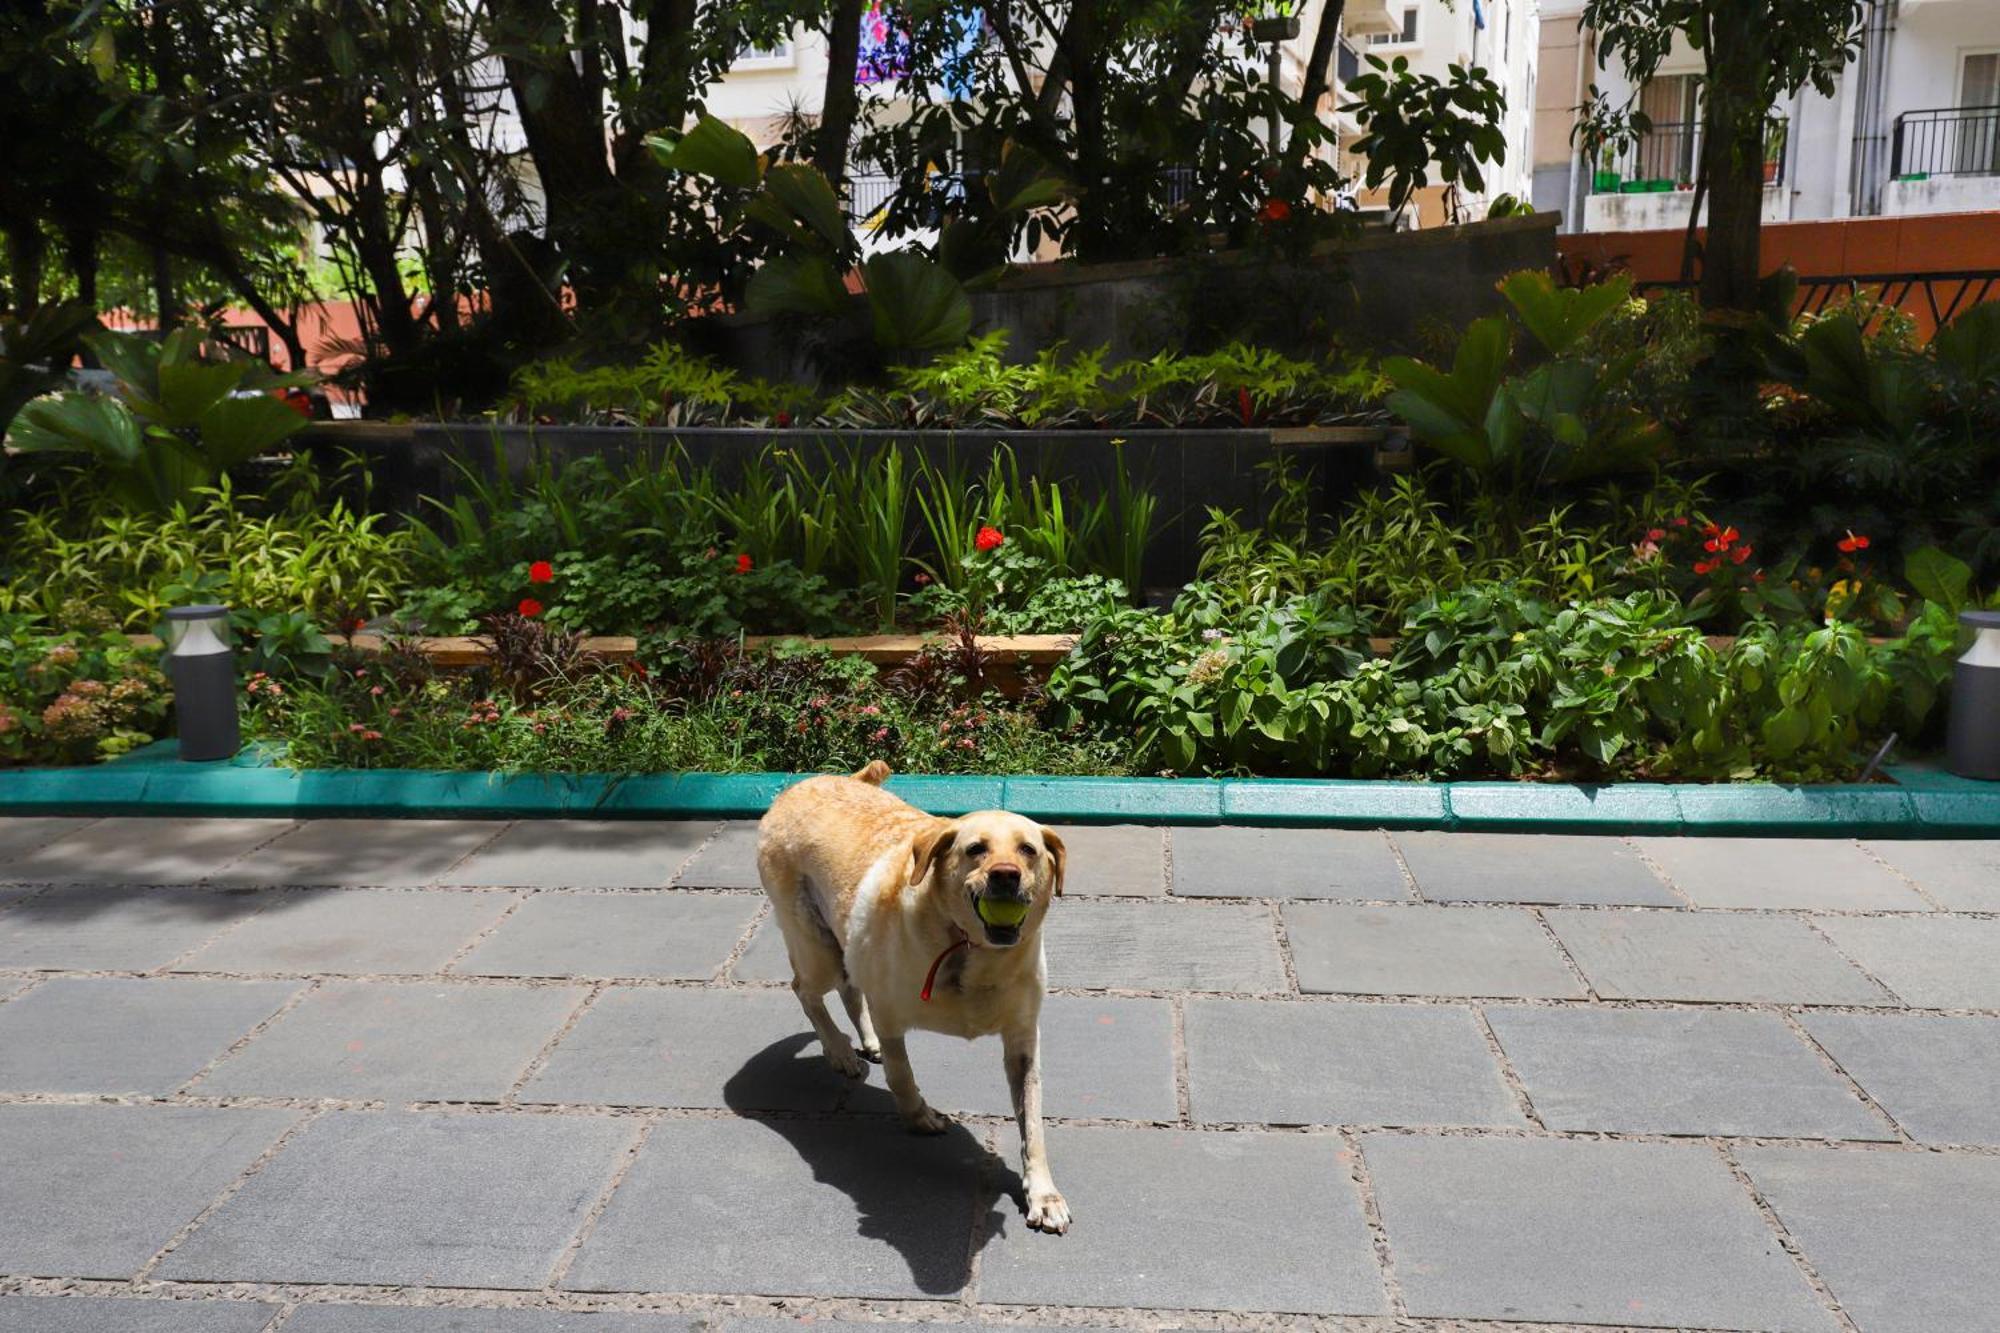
{"x": 864, "y": 1027}
{"x": 817, "y": 966}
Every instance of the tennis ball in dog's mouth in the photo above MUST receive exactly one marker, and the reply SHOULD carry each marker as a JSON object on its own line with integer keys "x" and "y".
{"x": 1001, "y": 911}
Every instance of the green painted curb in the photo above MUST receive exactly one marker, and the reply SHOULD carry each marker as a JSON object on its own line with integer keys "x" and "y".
{"x": 1919, "y": 803}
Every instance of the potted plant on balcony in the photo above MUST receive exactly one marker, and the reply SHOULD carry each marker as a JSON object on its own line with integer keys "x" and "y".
{"x": 1774, "y": 151}
{"x": 1606, "y": 179}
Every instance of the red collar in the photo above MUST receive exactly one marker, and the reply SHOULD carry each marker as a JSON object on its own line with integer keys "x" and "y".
{"x": 930, "y": 977}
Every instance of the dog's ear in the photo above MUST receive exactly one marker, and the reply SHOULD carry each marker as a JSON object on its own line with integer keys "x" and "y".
{"x": 1058, "y": 856}
{"x": 928, "y": 846}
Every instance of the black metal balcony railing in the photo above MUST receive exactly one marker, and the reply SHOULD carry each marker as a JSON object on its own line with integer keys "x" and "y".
{"x": 1665, "y": 157}
{"x": 1948, "y": 141}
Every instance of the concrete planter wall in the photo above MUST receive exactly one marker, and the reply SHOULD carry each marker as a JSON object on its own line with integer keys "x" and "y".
{"x": 1188, "y": 471}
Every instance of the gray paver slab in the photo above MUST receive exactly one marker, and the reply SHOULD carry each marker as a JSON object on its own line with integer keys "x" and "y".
{"x": 1961, "y": 873}
{"x": 788, "y": 1207}
{"x": 1709, "y": 956}
{"x": 683, "y": 936}
{"x": 749, "y": 1050}
{"x": 138, "y": 850}
{"x": 765, "y": 959}
{"x": 12, "y": 986}
{"x": 407, "y": 1319}
{"x": 1934, "y": 1073}
{"x": 1931, "y": 962}
{"x": 1101, "y": 1056}
{"x": 1285, "y": 863}
{"x": 95, "y": 1191}
{"x": 92, "y": 1314}
{"x": 810, "y": 1324}
{"x": 584, "y": 854}
{"x": 1581, "y": 1232}
{"x": 1530, "y": 868}
{"x": 727, "y": 861}
{"x": 1121, "y": 860}
{"x": 398, "y": 1041}
{"x": 1107, "y": 944}
{"x": 361, "y": 931}
{"x": 1677, "y": 1071}
{"x": 114, "y": 928}
{"x": 360, "y": 853}
{"x": 1425, "y": 950}
{"x": 420, "y": 1200}
{"x": 1280, "y": 1226}
{"x": 1780, "y": 873}
{"x": 125, "y": 1034}
{"x": 1342, "y": 1064}
{"x": 1904, "y": 1240}
{"x": 21, "y": 835}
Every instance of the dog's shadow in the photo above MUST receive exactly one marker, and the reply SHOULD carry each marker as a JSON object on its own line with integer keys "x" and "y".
{"x": 909, "y": 1191}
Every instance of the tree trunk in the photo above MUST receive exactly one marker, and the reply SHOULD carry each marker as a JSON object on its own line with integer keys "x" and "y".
{"x": 24, "y": 256}
{"x": 1319, "y": 66}
{"x": 80, "y": 246}
{"x": 841, "y": 101}
{"x": 166, "y": 302}
{"x": 1734, "y": 107}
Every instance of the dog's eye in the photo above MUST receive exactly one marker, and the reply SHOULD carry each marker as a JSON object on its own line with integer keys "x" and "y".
{"x": 976, "y": 849}
{"x": 1028, "y": 852}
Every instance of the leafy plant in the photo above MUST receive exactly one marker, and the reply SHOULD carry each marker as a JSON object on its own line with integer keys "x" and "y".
{"x": 178, "y": 424}
{"x": 1414, "y": 123}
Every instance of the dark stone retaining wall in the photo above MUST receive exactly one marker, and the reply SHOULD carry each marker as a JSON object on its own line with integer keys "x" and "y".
{"x": 1188, "y": 471}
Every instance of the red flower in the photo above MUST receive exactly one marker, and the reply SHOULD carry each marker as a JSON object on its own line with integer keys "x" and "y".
{"x": 1853, "y": 542}
{"x": 1680, "y": 522}
{"x": 530, "y": 608}
{"x": 923, "y": 580}
{"x": 1274, "y": 210}
{"x": 744, "y": 564}
{"x": 784, "y": 420}
{"x": 1740, "y": 554}
{"x": 1707, "y": 566}
{"x": 988, "y": 538}
{"x": 1243, "y": 405}
{"x": 541, "y": 572}
{"x": 1758, "y": 577}
{"x": 296, "y": 399}
{"x": 1656, "y": 534}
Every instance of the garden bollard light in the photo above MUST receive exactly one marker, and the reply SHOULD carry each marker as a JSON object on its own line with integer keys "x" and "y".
{"x": 204, "y": 675}
{"x": 1973, "y": 747}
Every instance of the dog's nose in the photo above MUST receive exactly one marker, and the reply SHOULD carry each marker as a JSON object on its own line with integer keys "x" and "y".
{"x": 1004, "y": 877}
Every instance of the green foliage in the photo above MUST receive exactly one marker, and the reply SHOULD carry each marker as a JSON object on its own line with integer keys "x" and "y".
{"x": 32, "y": 350}
{"x": 77, "y": 696}
{"x": 1414, "y": 123}
{"x": 1560, "y": 420}
{"x": 178, "y": 424}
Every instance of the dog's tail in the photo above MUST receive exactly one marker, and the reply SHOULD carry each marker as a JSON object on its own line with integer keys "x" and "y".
{"x": 874, "y": 774}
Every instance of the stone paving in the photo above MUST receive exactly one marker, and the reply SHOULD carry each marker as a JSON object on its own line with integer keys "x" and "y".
{"x": 354, "y": 1077}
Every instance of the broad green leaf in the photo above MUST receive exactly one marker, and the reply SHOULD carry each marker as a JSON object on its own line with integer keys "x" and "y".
{"x": 1558, "y": 317}
{"x": 238, "y": 429}
{"x": 1971, "y": 344}
{"x": 918, "y": 307}
{"x": 796, "y": 284}
{"x": 78, "y": 423}
{"x": 713, "y": 149}
{"x": 187, "y": 390}
{"x": 1940, "y": 578}
{"x": 805, "y": 195}
{"x": 134, "y": 360}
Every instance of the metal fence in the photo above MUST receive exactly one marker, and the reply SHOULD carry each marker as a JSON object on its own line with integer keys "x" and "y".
{"x": 1947, "y": 141}
{"x": 1934, "y": 299}
{"x": 1669, "y": 152}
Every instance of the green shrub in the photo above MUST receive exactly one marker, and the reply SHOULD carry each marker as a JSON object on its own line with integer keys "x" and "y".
{"x": 75, "y": 697}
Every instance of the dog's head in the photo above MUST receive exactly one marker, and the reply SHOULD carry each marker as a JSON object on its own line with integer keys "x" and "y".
{"x": 994, "y": 872}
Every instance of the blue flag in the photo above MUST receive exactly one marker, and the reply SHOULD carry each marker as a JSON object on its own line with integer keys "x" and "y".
{"x": 1478, "y": 15}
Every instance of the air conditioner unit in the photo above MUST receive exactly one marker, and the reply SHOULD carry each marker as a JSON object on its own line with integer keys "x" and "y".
{"x": 1369, "y": 18}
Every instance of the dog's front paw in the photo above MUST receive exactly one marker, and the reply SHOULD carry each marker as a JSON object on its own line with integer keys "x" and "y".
{"x": 1048, "y": 1212}
{"x": 843, "y": 1059}
{"x": 872, "y": 1054}
{"x": 929, "y": 1120}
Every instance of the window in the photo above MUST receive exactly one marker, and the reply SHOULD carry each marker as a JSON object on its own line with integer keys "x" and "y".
{"x": 1978, "y": 131}
{"x": 1407, "y": 37}
{"x": 777, "y": 56}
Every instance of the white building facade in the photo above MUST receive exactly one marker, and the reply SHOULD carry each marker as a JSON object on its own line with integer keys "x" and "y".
{"x": 1913, "y": 126}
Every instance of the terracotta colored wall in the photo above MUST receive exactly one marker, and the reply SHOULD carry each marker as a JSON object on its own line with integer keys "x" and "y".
{"x": 1850, "y": 247}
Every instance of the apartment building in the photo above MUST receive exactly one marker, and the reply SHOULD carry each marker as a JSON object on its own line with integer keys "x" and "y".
{"x": 767, "y": 85}
{"x": 1913, "y": 126}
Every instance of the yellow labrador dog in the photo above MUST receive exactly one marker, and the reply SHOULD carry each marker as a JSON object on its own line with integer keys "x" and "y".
{"x": 918, "y": 922}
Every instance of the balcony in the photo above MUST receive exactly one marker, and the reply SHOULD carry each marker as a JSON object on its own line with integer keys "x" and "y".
{"x": 1367, "y": 18}
{"x": 1945, "y": 160}
{"x": 1648, "y": 184}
